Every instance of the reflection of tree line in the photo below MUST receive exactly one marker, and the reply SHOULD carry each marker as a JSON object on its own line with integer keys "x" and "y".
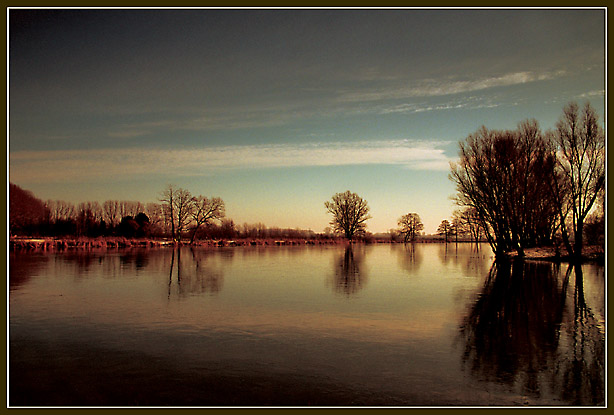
{"x": 520, "y": 331}
{"x": 469, "y": 256}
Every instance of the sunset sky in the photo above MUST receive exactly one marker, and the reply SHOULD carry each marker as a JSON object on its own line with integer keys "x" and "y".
{"x": 276, "y": 110}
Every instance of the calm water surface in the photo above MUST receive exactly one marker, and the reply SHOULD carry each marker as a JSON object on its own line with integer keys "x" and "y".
{"x": 366, "y": 325}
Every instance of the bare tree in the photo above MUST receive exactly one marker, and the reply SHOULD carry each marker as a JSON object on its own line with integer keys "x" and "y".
{"x": 580, "y": 144}
{"x": 444, "y": 229}
{"x": 204, "y": 210}
{"x": 409, "y": 226}
{"x": 111, "y": 211}
{"x": 155, "y": 212}
{"x": 167, "y": 198}
{"x": 183, "y": 206}
{"x": 60, "y": 210}
{"x": 350, "y": 212}
{"x": 501, "y": 175}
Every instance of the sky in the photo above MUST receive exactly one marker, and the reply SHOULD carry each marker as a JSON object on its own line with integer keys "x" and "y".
{"x": 276, "y": 110}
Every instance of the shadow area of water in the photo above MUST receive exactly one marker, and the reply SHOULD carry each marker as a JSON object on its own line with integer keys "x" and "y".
{"x": 88, "y": 376}
{"x": 532, "y": 330}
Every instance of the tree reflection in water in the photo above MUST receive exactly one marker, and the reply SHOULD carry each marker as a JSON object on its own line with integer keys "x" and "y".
{"x": 348, "y": 277}
{"x": 410, "y": 258}
{"x": 522, "y": 332}
{"x": 196, "y": 274}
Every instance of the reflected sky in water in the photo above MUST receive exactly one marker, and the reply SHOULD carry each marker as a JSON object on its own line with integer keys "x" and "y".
{"x": 429, "y": 324}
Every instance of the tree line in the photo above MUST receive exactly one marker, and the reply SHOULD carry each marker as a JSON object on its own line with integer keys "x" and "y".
{"x": 179, "y": 216}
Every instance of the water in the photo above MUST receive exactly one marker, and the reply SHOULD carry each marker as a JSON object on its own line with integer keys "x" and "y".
{"x": 368, "y": 325}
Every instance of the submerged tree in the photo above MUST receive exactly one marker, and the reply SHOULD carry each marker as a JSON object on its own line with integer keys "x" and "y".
{"x": 410, "y": 226}
{"x": 350, "y": 212}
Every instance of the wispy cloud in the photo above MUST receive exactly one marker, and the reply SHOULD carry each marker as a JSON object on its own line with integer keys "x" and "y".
{"x": 415, "y": 108}
{"x": 83, "y": 165}
{"x": 446, "y": 86}
{"x": 591, "y": 94}
{"x": 377, "y": 96}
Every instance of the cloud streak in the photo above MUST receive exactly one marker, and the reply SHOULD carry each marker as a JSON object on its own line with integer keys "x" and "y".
{"x": 84, "y": 165}
{"x": 450, "y": 86}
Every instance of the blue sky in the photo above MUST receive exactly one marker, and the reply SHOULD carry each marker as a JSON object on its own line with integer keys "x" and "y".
{"x": 274, "y": 111}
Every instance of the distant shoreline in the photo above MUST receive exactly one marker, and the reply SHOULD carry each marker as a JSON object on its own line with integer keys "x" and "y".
{"x": 44, "y": 243}
{"x": 548, "y": 253}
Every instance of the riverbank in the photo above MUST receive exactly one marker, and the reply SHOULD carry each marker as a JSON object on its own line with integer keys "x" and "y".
{"x": 23, "y": 243}
{"x": 551, "y": 253}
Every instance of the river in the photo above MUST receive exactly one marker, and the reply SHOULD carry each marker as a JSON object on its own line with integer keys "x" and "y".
{"x": 360, "y": 325}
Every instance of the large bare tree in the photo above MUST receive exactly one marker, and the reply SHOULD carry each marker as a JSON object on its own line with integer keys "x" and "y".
{"x": 580, "y": 175}
{"x": 350, "y": 212}
{"x": 501, "y": 177}
{"x": 204, "y": 210}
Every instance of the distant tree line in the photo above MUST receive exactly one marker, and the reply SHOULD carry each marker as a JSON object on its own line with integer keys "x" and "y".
{"x": 179, "y": 216}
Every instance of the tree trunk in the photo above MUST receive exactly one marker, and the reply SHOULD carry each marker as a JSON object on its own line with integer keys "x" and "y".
{"x": 579, "y": 240}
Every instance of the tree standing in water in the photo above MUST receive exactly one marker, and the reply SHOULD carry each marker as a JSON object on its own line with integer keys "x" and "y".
{"x": 409, "y": 226}
{"x": 580, "y": 173}
{"x": 350, "y": 212}
{"x": 444, "y": 229}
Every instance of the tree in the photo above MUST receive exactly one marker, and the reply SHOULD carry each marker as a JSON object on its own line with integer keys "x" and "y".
{"x": 89, "y": 219}
{"x": 183, "y": 205}
{"x": 580, "y": 173}
{"x": 409, "y": 226}
{"x": 501, "y": 175}
{"x": 444, "y": 229}
{"x": 204, "y": 210}
{"x": 111, "y": 211}
{"x": 459, "y": 226}
{"x": 25, "y": 210}
{"x": 167, "y": 198}
{"x": 350, "y": 212}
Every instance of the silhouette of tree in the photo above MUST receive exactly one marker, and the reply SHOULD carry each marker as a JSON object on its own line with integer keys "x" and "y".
{"x": 580, "y": 173}
{"x": 25, "y": 210}
{"x": 500, "y": 176}
{"x": 128, "y": 227}
{"x": 444, "y": 229}
{"x": 167, "y": 197}
{"x": 183, "y": 209}
{"x": 350, "y": 212}
{"x": 410, "y": 226}
{"x": 204, "y": 210}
